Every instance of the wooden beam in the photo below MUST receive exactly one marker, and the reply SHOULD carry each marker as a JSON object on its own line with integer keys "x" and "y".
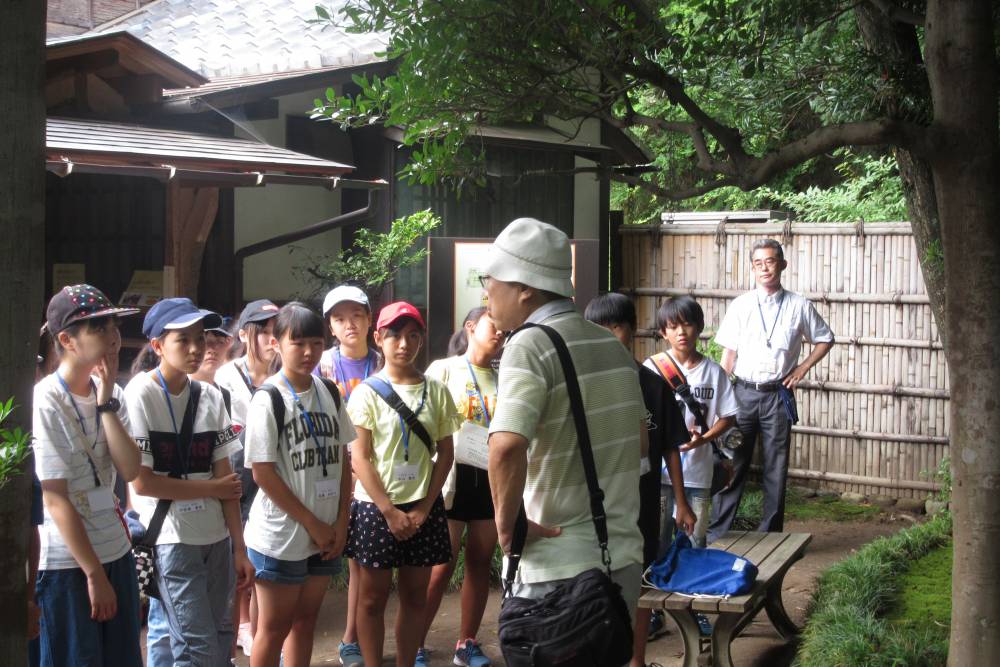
{"x": 189, "y": 216}
{"x": 92, "y": 62}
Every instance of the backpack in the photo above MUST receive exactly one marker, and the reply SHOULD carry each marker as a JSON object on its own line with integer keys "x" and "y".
{"x": 278, "y": 401}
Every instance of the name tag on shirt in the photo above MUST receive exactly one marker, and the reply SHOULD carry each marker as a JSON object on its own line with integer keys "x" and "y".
{"x": 471, "y": 446}
{"x": 327, "y": 488}
{"x": 405, "y": 472}
{"x": 186, "y": 506}
{"x": 100, "y": 499}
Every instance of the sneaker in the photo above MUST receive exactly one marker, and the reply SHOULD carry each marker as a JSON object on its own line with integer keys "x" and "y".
{"x": 470, "y": 655}
{"x": 657, "y": 625}
{"x": 350, "y": 654}
{"x": 704, "y": 625}
{"x": 422, "y": 658}
{"x": 244, "y": 639}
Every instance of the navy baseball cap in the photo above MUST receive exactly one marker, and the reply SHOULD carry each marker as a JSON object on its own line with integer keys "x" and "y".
{"x": 223, "y": 328}
{"x": 176, "y": 313}
{"x": 260, "y": 310}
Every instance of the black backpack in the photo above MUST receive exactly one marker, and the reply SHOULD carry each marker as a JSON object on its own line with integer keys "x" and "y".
{"x": 278, "y": 402}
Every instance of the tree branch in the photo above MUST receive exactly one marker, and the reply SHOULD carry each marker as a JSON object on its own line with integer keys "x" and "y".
{"x": 897, "y": 13}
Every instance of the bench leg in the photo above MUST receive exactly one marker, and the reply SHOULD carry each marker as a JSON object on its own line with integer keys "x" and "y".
{"x": 776, "y": 610}
{"x": 690, "y": 633}
{"x": 724, "y": 630}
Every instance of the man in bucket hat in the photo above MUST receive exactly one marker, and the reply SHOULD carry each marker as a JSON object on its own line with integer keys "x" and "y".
{"x": 534, "y": 455}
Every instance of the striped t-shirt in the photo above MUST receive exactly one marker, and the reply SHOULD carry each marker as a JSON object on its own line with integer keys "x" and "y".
{"x": 533, "y": 402}
{"x": 59, "y": 443}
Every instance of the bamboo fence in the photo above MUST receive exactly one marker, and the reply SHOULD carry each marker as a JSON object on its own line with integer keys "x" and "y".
{"x": 873, "y": 415}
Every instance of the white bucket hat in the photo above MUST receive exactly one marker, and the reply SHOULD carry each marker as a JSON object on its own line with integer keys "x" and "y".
{"x": 532, "y": 253}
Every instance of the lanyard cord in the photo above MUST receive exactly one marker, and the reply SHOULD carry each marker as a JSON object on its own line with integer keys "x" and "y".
{"x": 781, "y": 302}
{"x": 83, "y": 425}
{"x": 185, "y": 460}
{"x": 405, "y": 430}
{"x": 309, "y": 422}
{"x": 249, "y": 378}
{"x": 344, "y": 380}
{"x": 479, "y": 392}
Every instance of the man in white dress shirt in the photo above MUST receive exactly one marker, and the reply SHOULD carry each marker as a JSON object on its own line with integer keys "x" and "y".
{"x": 762, "y": 335}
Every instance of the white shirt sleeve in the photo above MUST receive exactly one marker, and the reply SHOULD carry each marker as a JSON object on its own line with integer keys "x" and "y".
{"x": 262, "y": 430}
{"x": 727, "y": 405}
{"x": 814, "y": 327}
{"x": 728, "y": 335}
{"x": 138, "y": 423}
{"x": 52, "y": 445}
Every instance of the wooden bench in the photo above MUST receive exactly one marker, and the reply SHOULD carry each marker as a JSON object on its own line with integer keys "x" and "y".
{"x": 773, "y": 554}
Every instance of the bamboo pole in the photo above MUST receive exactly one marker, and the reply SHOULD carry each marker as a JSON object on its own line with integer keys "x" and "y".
{"x": 835, "y": 297}
{"x": 874, "y": 389}
{"x": 762, "y": 230}
{"x": 839, "y": 340}
{"x": 866, "y": 480}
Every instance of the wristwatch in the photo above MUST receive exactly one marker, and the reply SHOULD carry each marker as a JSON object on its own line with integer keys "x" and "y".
{"x": 113, "y": 405}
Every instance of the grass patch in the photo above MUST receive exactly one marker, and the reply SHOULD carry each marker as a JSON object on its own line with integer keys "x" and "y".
{"x": 925, "y": 592}
{"x": 797, "y": 506}
{"x": 849, "y": 625}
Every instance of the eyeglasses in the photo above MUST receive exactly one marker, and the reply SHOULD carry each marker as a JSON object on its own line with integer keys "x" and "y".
{"x": 770, "y": 263}
{"x": 483, "y": 279}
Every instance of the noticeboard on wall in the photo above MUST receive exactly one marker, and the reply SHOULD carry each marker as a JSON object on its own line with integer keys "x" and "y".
{"x": 453, "y": 288}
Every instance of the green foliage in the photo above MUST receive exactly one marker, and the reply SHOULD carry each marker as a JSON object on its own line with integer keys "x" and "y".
{"x": 15, "y": 445}
{"x": 376, "y": 257}
{"x": 847, "y": 625}
{"x": 710, "y": 349}
{"x": 924, "y": 600}
{"x": 797, "y": 506}
{"x": 871, "y": 191}
{"x": 943, "y": 477}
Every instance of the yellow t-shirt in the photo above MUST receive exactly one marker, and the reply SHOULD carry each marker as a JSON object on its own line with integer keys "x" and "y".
{"x": 438, "y": 415}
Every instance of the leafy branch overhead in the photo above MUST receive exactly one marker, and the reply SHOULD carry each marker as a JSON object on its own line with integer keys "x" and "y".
{"x": 375, "y": 258}
{"x": 737, "y": 92}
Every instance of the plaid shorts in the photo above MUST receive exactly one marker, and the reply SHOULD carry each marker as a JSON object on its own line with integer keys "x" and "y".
{"x": 372, "y": 544}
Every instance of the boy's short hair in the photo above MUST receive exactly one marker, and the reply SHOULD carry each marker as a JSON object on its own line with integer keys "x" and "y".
{"x": 610, "y": 309}
{"x": 680, "y": 309}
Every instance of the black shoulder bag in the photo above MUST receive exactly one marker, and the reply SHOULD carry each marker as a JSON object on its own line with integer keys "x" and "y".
{"x": 584, "y": 622}
{"x": 388, "y": 394}
{"x": 144, "y": 549}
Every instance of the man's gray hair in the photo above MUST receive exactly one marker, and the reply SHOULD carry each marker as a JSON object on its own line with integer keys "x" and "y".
{"x": 767, "y": 243}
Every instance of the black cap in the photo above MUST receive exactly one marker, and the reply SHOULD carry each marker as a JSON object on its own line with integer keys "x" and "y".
{"x": 260, "y": 310}
{"x": 76, "y": 303}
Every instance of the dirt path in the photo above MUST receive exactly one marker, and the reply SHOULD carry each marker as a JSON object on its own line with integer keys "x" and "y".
{"x": 758, "y": 645}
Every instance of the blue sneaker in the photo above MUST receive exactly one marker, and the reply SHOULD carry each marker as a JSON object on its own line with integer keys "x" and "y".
{"x": 422, "y": 659}
{"x": 470, "y": 655}
{"x": 350, "y": 655}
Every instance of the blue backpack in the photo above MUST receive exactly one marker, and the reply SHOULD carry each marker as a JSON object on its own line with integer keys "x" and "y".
{"x": 691, "y": 571}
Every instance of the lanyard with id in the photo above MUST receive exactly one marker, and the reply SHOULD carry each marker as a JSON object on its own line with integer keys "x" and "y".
{"x": 325, "y": 488}
{"x": 100, "y": 497}
{"x": 760, "y": 310}
{"x": 183, "y": 453}
{"x": 471, "y": 441}
{"x": 406, "y": 471}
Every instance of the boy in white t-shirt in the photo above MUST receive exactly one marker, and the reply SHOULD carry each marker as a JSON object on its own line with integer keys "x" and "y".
{"x": 200, "y": 543}
{"x": 86, "y": 585}
{"x": 680, "y": 321}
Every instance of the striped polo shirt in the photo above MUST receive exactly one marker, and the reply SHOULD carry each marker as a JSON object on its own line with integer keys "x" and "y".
{"x": 533, "y": 402}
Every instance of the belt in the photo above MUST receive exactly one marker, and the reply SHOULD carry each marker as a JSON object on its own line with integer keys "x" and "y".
{"x": 759, "y": 386}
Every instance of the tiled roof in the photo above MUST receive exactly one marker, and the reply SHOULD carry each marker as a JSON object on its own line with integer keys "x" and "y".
{"x": 236, "y": 38}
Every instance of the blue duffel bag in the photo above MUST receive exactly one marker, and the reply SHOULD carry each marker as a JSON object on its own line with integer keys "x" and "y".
{"x": 701, "y": 571}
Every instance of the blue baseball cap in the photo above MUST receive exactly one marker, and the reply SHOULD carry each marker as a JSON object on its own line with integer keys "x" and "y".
{"x": 176, "y": 313}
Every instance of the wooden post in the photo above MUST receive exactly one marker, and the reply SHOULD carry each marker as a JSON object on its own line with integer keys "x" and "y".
{"x": 189, "y": 218}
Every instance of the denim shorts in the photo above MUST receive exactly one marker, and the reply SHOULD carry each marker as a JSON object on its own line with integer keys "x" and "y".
{"x": 291, "y": 572}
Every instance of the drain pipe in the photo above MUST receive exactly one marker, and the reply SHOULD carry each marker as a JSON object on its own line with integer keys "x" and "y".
{"x": 297, "y": 235}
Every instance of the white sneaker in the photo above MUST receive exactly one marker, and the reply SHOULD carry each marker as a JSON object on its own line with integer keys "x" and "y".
{"x": 244, "y": 639}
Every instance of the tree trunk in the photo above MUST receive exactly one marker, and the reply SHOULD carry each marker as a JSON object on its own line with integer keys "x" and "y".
{"x": 962, "y": 72}
{"x": 897, "y": 48}
{"x": 22, "y": 237}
